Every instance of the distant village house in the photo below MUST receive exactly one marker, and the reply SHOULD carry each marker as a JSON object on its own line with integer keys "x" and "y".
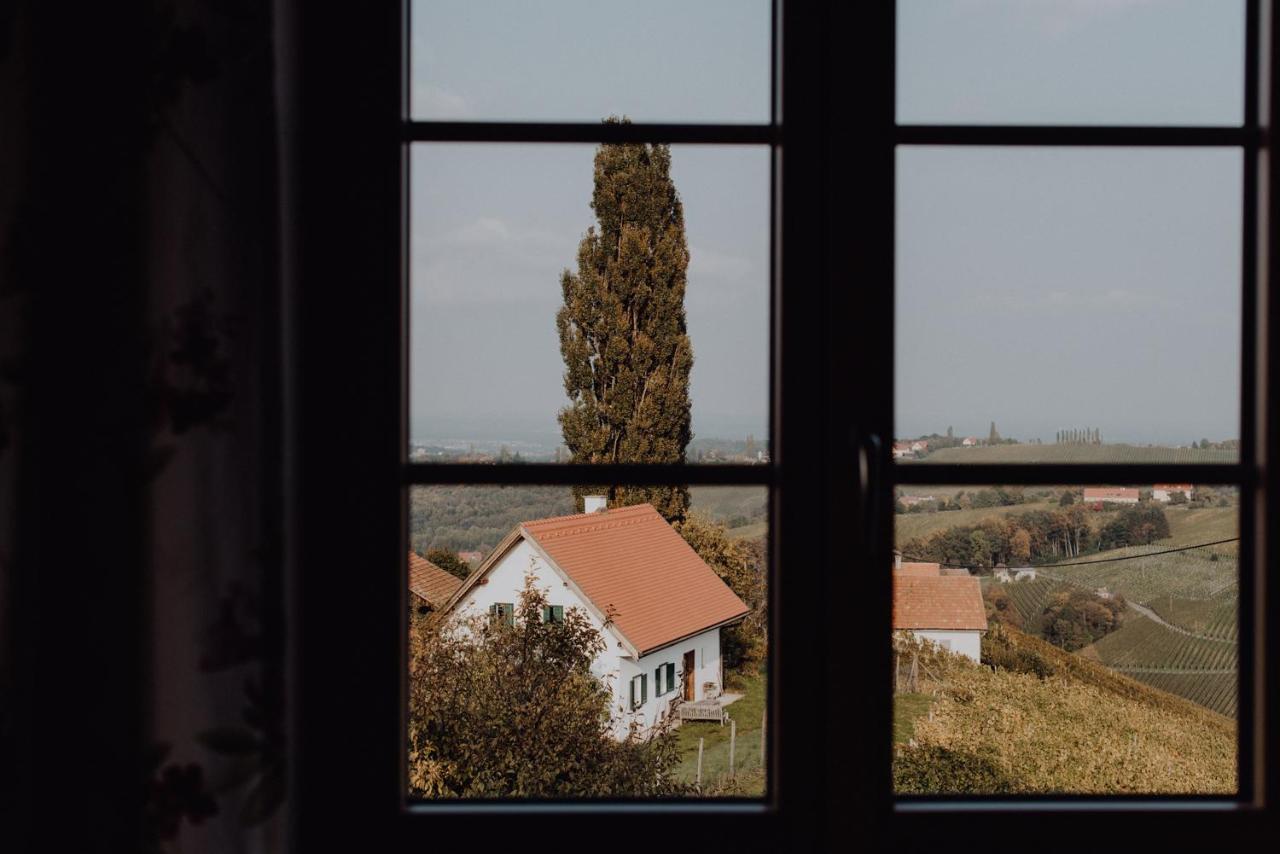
{"x": 1164, "y": 492}
{"x": 969, "y": 441}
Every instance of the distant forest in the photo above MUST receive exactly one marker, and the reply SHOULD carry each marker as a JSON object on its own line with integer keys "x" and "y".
{"x": 476, "y": 518}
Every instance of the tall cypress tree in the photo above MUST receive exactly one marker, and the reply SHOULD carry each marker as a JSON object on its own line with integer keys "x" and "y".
{"x": 622, "y": 328}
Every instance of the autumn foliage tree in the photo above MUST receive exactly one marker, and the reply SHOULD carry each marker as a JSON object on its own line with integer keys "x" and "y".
{"x": 449, "y": 562}
{"x": 513, "y": 711}
{"x": 622, "y": 327}
{"x": 741, "y": 566}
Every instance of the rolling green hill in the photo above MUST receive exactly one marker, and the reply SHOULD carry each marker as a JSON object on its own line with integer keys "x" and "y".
{"x": 1183, "y": 575}
{"x": 908, "y": 526}
{"x": 1046, "y": 721}
{"x": 1076, "y": 454}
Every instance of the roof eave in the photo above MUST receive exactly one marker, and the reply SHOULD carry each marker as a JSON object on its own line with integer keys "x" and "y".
{"x": 729, "y": 622}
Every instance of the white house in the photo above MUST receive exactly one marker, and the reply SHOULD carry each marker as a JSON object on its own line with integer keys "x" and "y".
{"x": 1164, "y": 492}
{"x": 901, "y": 450}
{"x": 969, "y": 441}
{"x": 658, "y": 606}
{"x": 947, "y": 610}
{"x": 1024, "y": 573}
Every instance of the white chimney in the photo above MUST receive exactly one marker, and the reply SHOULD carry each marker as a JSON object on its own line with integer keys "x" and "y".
{"x": 594, "y": 503}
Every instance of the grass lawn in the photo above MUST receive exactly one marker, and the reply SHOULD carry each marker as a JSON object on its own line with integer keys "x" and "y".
{"x": 908, "y": 526}
{"x": 715, "y": 758}
{"x": 749, "y": 532}
{"x": 906, "y": 709}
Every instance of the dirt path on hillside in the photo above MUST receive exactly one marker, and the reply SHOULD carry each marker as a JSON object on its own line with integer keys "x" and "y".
{"x": 1144, "y": 611}
{"x": 1152, "y": 615}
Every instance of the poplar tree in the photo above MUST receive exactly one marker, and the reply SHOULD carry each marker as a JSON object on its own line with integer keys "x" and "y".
{"x": 622, "y": 327}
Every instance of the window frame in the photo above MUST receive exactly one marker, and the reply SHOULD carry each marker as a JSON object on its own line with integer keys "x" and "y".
{"x": 926, "y": 821}
{"x": 344, "y": 234}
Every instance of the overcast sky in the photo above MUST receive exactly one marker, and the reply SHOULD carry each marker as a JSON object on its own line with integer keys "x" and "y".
{"x": 1040, "y": 289}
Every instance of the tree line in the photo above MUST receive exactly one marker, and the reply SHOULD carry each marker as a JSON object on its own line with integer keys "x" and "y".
{"x": 1040, "y": 536}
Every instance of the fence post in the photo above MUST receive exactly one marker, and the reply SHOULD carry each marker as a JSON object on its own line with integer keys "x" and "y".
{"x": 733, "y": 737}
{"x": 763, "y": 732}
{"x": 700, "y": 741}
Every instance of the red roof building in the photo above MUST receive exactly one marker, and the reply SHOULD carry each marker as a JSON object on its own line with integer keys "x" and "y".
{"x": 430, "y": 583}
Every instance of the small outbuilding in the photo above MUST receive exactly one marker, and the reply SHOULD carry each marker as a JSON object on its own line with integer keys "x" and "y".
{"x": 946, "y": 610}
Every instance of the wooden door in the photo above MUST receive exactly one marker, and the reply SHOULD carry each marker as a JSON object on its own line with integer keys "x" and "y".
{"x": 690, "y": 663}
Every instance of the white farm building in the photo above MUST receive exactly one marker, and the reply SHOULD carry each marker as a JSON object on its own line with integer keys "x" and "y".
{"x": 659, "y": 607}
{"x": 1164, "y": 492}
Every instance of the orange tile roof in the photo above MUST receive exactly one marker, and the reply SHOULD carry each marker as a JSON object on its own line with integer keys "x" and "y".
{"x": 944, "y": 602}
{"x": 634, "y": 566}
{"x": 430, "y": 582}
{"x": 1101, "y": 493}
{"x": 918, "y": 569}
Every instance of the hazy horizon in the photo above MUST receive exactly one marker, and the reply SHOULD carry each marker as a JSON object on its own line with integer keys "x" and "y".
{"x": 1043, "y": 289}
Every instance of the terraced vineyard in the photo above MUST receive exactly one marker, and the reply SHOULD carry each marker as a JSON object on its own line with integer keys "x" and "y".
{"x": 1199, "y": 668}
{"x": 1215, "y": 691}
{"x": 1032, "y": 597}
{"x": 1216, "y": 619}
{"x": 1182, "y": 575}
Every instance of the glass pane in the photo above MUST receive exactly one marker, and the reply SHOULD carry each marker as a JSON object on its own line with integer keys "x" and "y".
{"x": 627, "y": 691}
{"x": 1104, "y": 618}
{"x": 1156, "y": 62}
{"x": 494, "y": 230}
{"x": 1067, "y": 305}
{"x": 583, "y": 61}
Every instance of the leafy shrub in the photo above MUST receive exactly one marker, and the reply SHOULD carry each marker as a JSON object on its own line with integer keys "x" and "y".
{"x": 1004, "y": 650}
{"x": 930, "y": 769}
{"x": 514, "y": 711}
{"x": 1074, "y": 619}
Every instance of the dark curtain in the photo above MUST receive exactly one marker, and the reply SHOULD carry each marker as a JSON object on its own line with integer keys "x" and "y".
{"x": 141, "y": 493}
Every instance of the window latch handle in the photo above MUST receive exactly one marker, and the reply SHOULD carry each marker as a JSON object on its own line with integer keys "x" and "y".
{"x": 869, "y": 464}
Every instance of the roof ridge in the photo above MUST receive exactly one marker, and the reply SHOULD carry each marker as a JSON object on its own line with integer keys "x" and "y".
{"x": 597, "y": 514}
{"x": 601, "y": 525}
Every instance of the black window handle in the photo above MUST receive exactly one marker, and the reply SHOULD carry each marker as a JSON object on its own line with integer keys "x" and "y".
{"x": 870, "y": 465}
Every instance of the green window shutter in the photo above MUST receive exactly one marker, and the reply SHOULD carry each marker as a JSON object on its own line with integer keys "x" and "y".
{"x": 546, "y": 613}
{"x": 557, "y": 613}
{"x": 632, "y": 701}
{"x": 671, "y": 677}
{"x": 657, "y": 681}
{"x": 511, "y": 612}
{"x": 644, "y": 688}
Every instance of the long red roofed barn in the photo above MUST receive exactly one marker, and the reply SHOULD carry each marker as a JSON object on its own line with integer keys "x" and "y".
{"x": 945, "y": 609}
{"x": 659, "y": 607}
{"x": 1110, "y": 494}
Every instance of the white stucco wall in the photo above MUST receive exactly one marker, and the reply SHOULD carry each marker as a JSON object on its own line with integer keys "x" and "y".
{"x": 968, "y": 643}
{"x": 613, "y": 665}
{"x": 706, "y": 649}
